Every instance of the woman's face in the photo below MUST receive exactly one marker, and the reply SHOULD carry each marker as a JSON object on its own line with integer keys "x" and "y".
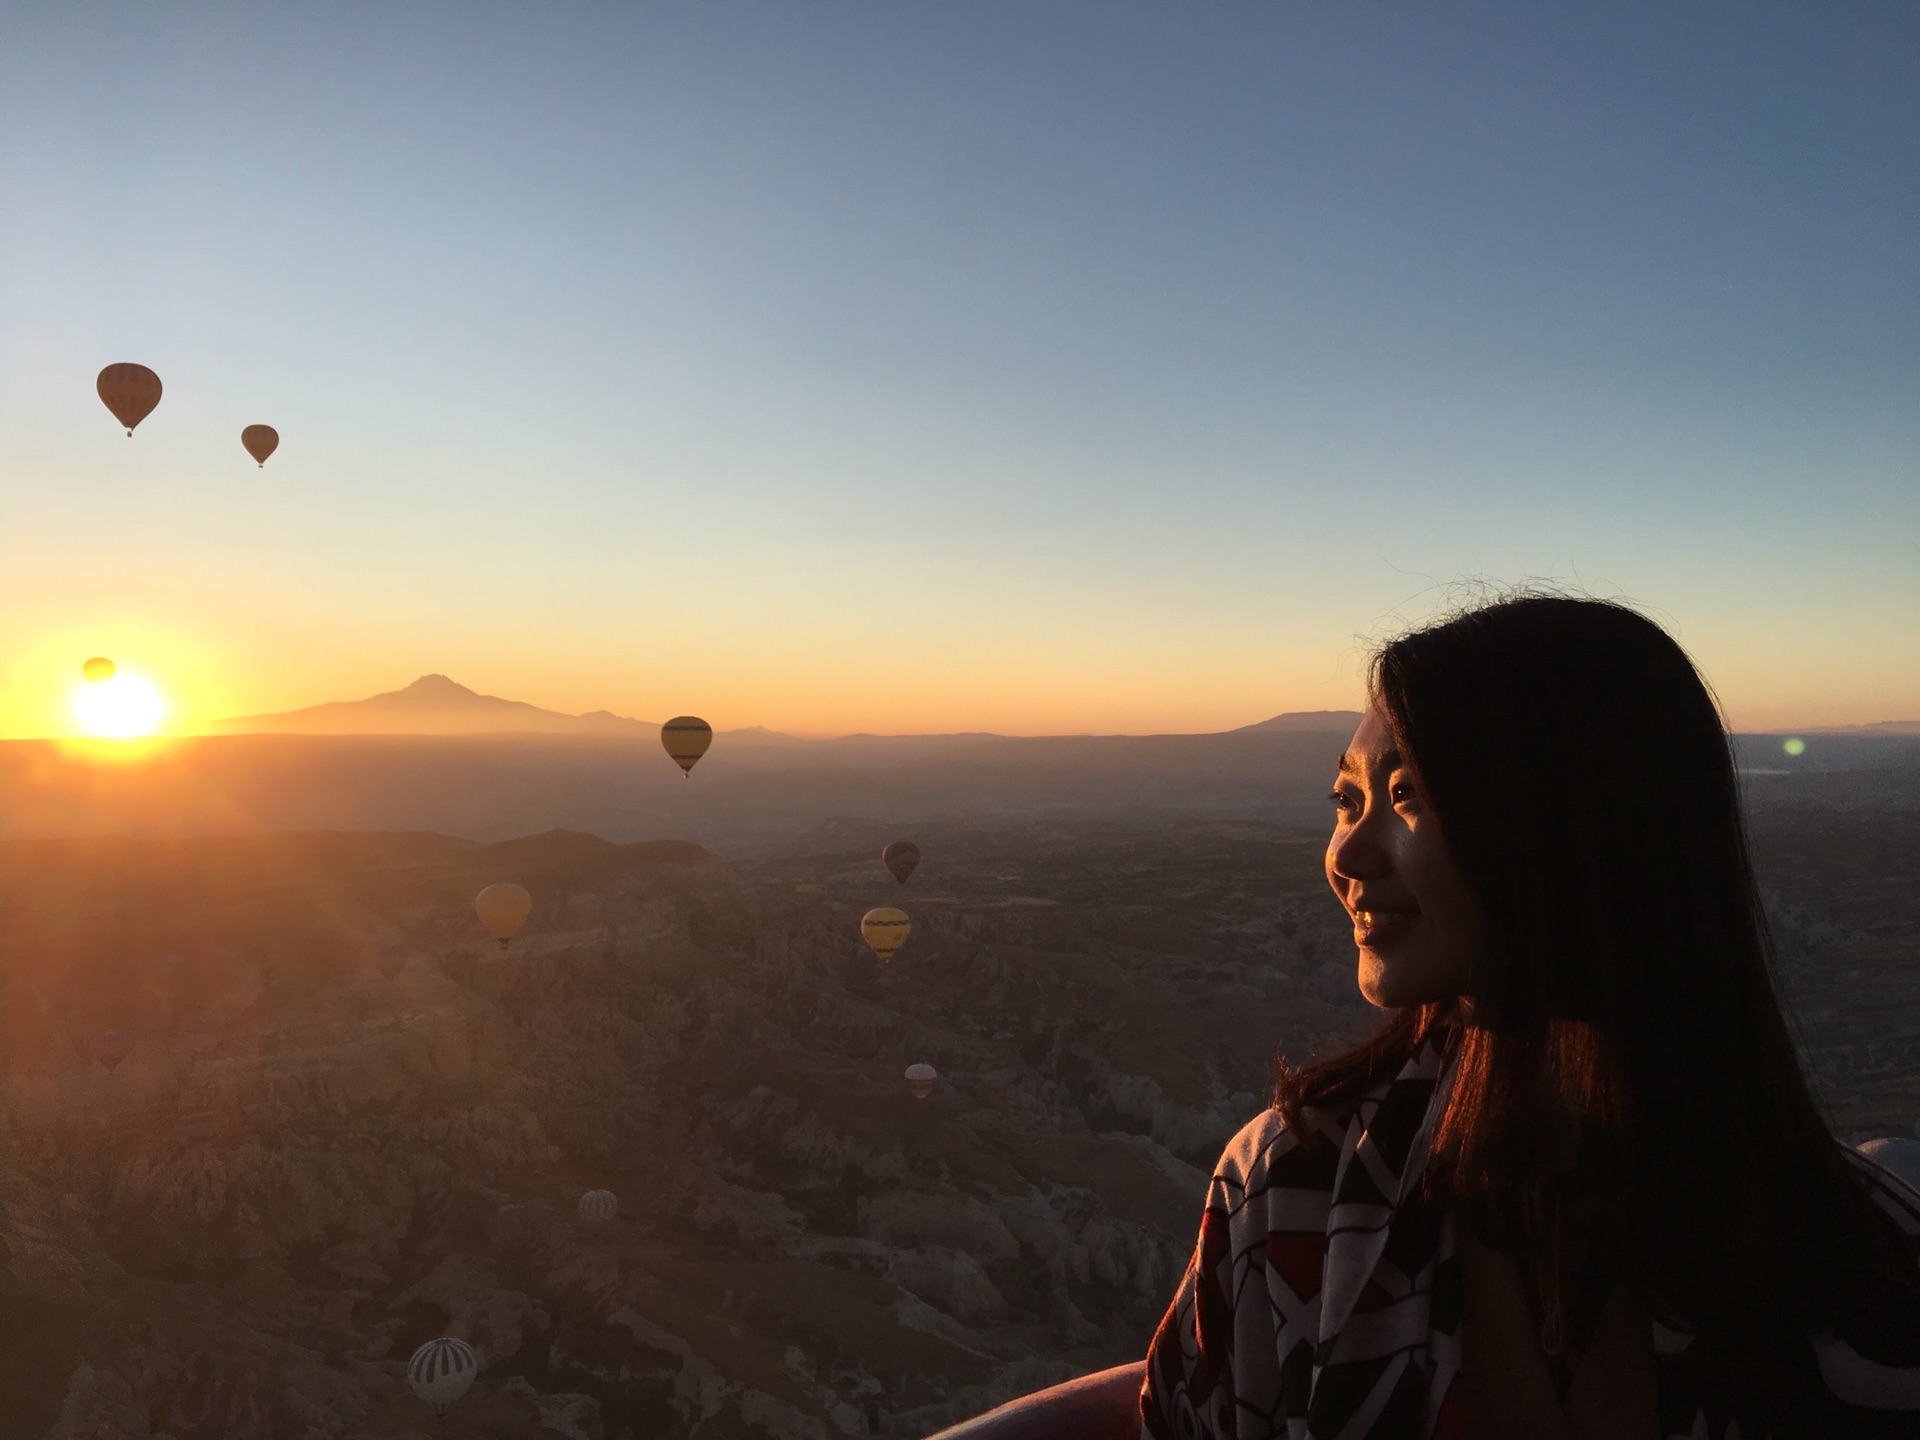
{"x": 1415, "y": 920}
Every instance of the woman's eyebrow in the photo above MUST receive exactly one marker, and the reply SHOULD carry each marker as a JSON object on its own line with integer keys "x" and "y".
{"x": 1354, "y": 765}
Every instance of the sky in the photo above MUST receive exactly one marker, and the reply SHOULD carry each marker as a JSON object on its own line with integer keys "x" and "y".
{"x": 1055, "y": 367}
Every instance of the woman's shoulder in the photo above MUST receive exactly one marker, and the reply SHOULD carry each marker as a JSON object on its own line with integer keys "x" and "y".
{"x": 1268, "y": 1153}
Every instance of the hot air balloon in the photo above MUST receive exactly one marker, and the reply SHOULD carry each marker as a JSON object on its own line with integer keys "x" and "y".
{"x": 110, "y": 1048}
{"x": 261, "y": 441}
{"x": 686, "y": 738}
{"x": 97, "y": 669}
{"x": 130, "y": 392}
{"x": 503, "y": 909}
{"x": 901, "y": 858}
{"x": 921, "y": 1079}
{"x": 597, "y": 1205}
{"x": 441, "y": 1371}
{"x": 886, "y": 930}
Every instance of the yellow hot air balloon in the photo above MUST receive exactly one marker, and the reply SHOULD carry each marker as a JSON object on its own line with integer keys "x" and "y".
{"x": 130, "y": 392}
{"x": 886, "y": 930}
{"x": 503, "y": 909}
{"x": 686, "y": 738}
{"x": 261, "y": 441}
{"x": 98, "y": 669}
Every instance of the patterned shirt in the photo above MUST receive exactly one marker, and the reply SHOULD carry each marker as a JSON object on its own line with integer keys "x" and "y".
{"x": 1324, "y": 1299}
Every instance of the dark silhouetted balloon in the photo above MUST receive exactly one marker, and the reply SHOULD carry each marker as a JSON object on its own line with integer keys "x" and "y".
{"x": 886, "y": 930}
{"x": 130, "y": 392}
{"x": 597, "y": 1205}
{"x": 97, "y": 669}
{"x": 441, "y": 1371}
{"x": 261, "y": 441}
{"x": 110, "y": 1048}
{"x": 921, "y": 1079}
{"x": 503, "y": 909}
{"x": 901, "y": 858}
{"x": 686, "y": 738}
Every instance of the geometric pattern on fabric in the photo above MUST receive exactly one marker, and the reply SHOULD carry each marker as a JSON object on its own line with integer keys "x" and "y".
{"x": 1324, "y": 1298}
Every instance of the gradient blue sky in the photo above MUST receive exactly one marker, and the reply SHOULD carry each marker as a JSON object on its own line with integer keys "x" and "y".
{"x": 1030, "y": 367}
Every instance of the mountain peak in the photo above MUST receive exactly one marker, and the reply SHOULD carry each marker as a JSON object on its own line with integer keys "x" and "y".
{"x": 437, "y": 688}
{"x": 433, "y": 705}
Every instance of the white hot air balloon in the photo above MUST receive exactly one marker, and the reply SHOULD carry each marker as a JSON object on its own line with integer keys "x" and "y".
{"x": 921, "y": 1079}
{"x": 441, "y": 1371}
{"x": 599, "y": 1205}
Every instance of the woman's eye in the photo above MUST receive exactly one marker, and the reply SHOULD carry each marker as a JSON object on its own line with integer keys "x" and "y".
{"x": 1403, "y": 793}
{"x": 1342, "y": 801}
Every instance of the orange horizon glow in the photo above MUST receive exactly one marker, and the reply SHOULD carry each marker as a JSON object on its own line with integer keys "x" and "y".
{"x": 1146, "y": 670}
{"x": 132, "y": 707}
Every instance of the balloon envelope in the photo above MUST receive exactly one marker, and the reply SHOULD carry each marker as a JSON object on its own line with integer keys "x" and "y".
{"x": 97, "y": 669}
{"x": 599, "y": 1205}
{"x": 921, "y": 1080}
{"x": 503, "y": 909}
{"x": 886, "y": 930}
{"x": 686, "y": 738}
{"x": 261, "y": 441}
{"x": 110, "y": 1047}
{"x": 441, "y": 1371}
{"x": 129, "y": 391}
{"x": 901, "y": 858}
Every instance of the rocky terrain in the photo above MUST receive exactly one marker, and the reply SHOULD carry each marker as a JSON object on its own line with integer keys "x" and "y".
{"x": 347, "y": 1122}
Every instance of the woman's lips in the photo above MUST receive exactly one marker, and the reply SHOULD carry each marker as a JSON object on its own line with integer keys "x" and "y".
{"x": 1374, "y": 928}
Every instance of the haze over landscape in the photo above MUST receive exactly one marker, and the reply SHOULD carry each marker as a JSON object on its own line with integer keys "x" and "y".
{"x": 1006, "y": 428}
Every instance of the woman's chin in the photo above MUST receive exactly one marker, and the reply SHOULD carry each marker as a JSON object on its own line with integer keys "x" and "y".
{"x": 1400, "y": 983}
{"x": 1376, "y": 981}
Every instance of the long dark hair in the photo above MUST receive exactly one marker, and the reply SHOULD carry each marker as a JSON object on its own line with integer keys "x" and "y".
{"x": 1624, "y": 1026}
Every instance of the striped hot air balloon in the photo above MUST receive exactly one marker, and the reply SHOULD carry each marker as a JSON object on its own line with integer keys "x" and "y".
{"x": 886, "y": 930}
{"x": 441, "y": 1371}
{"x": 598, "y": 1205}
{"x": 921, "y": 1079}
{"x": 686, "y": 738}
{"x": 129, "y": 391}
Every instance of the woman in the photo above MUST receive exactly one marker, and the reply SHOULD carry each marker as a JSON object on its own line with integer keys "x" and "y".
{"x": 1576, "y": 1186}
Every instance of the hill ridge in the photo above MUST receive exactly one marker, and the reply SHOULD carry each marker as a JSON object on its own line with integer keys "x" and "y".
{"x": 434, "y": 704}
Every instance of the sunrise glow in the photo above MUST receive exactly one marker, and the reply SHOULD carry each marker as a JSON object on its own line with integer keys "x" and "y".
{"x": 123, "y": 708}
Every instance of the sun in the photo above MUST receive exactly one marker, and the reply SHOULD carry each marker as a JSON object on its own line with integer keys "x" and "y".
{"x": 123, "y": 708}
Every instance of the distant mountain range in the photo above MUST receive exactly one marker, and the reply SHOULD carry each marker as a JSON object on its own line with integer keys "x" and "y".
{"x": 438, "y": 756}
{"x": 437, "y": 705}
{"x": 1884, "y": 727}
{"x": 1303, "y": 722}
{"x": 431, "y": 705}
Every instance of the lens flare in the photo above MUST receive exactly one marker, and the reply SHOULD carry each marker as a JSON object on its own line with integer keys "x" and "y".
{"x": 1795, "y": 746}
{"x": 123, "y": 708}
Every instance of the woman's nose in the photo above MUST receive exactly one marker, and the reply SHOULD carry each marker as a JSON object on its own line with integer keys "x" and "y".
{"x": 1357, "y": 852}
